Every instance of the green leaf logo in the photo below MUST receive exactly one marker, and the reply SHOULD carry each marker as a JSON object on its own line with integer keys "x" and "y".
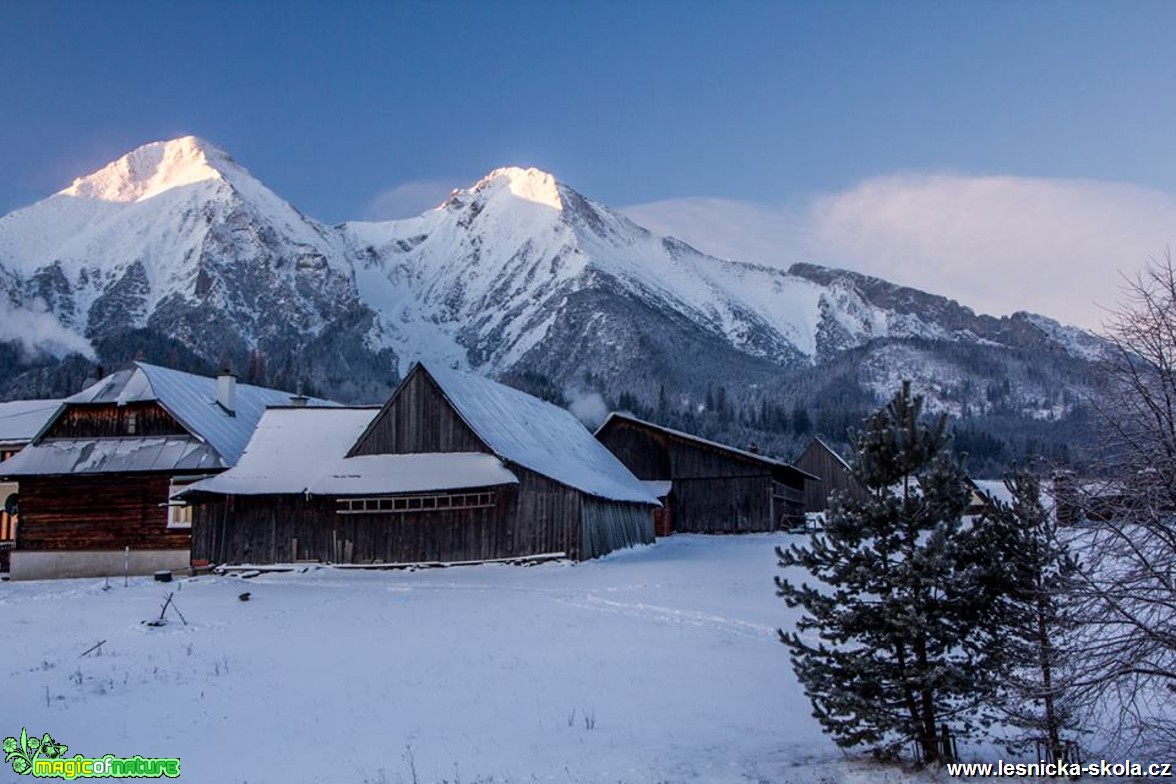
{"x": 24, "y": 752}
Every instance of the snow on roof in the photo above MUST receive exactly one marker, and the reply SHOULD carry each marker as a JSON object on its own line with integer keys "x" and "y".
{"x": 191, "y": 399}
{"x": 21, "y": 420}
{"x": 61, "y": 456}
{"x": 682, "y": 436}
{"x": 994, "y": 489}
{"x": 412, "y": 473}
{"x": 659, "y": 488}
{"x": 289, "y": 450}
{"x": 545, "y": 438}
{"x": 301, "y": 450}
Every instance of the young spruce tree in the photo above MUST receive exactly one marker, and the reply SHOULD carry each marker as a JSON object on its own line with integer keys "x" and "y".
{"x": 1037, "y": 697}
{"x": 898, "y": 636}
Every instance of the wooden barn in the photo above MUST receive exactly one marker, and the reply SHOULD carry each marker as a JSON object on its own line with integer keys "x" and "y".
{"x": 833, "y": 474}
{"x": 95, "y": 480}
{"x": 707, "y": 487}
{"x": 453, "y": 468}
{"x": 20, "y": 421}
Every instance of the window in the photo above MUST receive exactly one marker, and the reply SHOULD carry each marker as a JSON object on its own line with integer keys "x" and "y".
{"x": 403, "y": 504}
{"x": 179, "y": 513}
{"x": 132, "y": 423}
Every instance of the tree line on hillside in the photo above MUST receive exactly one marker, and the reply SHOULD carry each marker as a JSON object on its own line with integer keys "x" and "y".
{"x": 924, "y": 620}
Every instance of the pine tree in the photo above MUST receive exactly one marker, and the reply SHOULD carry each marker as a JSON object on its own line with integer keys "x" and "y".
{"x": 1036, "y": 696}
{"x": 900, "y": 635}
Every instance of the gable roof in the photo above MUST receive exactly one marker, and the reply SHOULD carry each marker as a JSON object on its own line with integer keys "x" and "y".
{"x": 820, "y": 444}
{"x": 289, "y": 450}
{"x": 191, "y": 400}
{"x": 678, "y": 435}
{"x": 21, "y": 420}
{"x": 537, "y": 435}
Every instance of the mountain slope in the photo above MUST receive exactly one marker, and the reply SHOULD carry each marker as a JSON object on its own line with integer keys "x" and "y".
{"x": 176, "y": 250}
{"x": 178, "y": 239}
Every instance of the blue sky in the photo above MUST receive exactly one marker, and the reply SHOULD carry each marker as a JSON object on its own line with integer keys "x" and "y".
{"x": 357, "y": 109}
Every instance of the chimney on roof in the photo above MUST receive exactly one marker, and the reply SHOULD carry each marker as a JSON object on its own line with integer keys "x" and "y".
{"x": 226, "y": 391}
{"x": 299, "y": 400}
{"x": 91, "y": 380}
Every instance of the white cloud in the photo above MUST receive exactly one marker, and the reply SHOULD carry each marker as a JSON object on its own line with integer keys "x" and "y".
{"x": 39, "y": 331}
{"x": 409, "y": 199}
{"x": 996, "y": 244}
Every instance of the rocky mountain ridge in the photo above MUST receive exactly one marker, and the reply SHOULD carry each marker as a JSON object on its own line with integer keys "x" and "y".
{"x": 175, "y": 250}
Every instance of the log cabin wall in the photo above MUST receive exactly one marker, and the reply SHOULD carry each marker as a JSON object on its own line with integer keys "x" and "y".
{"x": 105, "y": 512}
{"x": 417, "y": 419}
{"x": 108, "y": 420}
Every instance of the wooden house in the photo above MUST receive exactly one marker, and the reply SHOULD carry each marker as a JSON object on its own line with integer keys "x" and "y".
{"x": 95, "y": 480}
{"x": 20, "y": 420}
{"x": 707, "y": 487}
{"x": 833, "y": 476}
{"x": 453, "y": 468}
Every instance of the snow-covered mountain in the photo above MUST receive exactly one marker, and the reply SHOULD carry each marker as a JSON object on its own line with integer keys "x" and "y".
{"x": 177, "y": 239}
{"x": 179, "y": 246}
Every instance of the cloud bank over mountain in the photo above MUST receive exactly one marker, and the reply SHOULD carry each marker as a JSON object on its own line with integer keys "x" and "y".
{"x": 1001, "y": 244}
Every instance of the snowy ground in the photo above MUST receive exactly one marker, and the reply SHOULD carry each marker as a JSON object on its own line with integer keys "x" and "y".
{"x": 658, "y": 664}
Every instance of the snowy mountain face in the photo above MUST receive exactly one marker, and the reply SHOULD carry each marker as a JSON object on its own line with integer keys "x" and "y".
{"x": 177, "y": 239}
{"x": 180, "y": 246}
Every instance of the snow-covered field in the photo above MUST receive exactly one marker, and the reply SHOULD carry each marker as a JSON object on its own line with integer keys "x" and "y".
{"x": 657, "y": 664}
{"x": 654, "y": 664}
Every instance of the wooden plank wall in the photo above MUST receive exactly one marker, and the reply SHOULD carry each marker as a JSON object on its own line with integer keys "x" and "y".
{"x": 712, "y": 492}
{"x": 536, "y": 516}
{"x": 722, "y": 505}
{"x": 417, "y": 419}
{"x": 109, "y": 421}
{"x": 610, "y": 525}
{"x": 643, "y": 452}
{"x": 835, "y": 477}
{"x": 107, "y": 512}
{"x": 546, "y": 518}
{"x": 281, "y": 529}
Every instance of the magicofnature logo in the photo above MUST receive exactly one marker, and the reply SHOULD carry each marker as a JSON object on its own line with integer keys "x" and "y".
{"x": 45, "y": 758}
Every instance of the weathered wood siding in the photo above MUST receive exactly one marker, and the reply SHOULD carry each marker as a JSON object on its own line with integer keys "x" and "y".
{"x": 818, "y": 460}
{"x": 645, "y": 453}
{"x": 609, "y": 525}
{"x": 110, "y": 421}
{"x": 285, "y": 528}
{"x": 417, "y": 419}
{"x": 106, "y": 512}
{"x": 717, "y": 505}
{"x": 713, "y": 491}
{"x": 546, "y": 517}
{"x": 536, "y": 516}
